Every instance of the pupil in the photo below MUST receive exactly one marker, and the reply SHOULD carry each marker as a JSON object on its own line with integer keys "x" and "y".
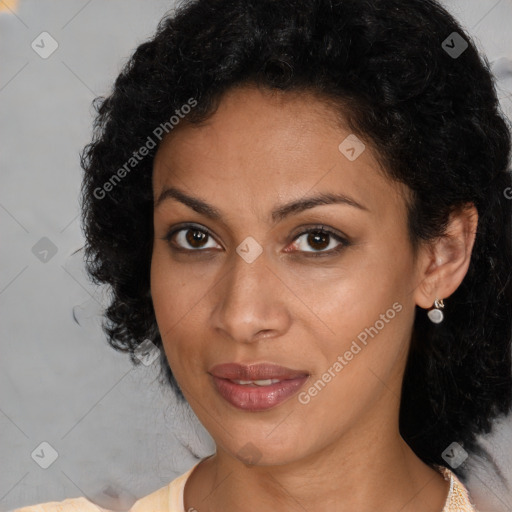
{"x": 196, "y": 238}
{"x": 318, "y": 238}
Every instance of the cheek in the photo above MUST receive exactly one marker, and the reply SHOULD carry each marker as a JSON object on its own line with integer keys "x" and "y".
{"x": 168, "y": 293}
{"x": 359, "y": 364}
{"x": 369, "y": 312}
{"x": 351, "y": 296}
{"x": 163, "y": 290}
{"x": 177, "y": 295}
{"x": 174, "y": 290}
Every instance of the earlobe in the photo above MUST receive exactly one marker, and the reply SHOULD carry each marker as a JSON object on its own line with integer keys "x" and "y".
{"x": 446, "y": 260}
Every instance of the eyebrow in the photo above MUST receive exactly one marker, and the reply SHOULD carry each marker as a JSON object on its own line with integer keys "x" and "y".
{"x": 278, "y": 214}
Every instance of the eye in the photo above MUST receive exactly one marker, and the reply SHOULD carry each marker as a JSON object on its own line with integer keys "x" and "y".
{"x": 324, "y": 242}
{"x": 190, "y": 238}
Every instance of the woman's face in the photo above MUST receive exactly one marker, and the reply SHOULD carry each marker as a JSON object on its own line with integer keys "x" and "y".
{"x": 247, "y": 284}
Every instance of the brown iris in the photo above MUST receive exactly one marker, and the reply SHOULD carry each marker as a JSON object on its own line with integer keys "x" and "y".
{"x": 195, "y": 237}
{"x": 316, "y": 238}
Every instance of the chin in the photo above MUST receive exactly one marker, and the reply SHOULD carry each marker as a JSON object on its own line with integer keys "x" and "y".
{"x": 258, "y": 450}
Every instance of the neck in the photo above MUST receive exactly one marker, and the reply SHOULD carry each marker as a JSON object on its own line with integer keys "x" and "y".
{"x": 367, "y": 469}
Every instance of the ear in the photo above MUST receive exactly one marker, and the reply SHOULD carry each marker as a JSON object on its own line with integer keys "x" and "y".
{"x": 444, "y": 262}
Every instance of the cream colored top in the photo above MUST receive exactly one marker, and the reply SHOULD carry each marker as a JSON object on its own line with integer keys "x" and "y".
{"x": 170, "y": 498}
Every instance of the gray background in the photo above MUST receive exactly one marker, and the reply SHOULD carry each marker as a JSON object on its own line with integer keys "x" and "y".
{"x": 117, "y": 433}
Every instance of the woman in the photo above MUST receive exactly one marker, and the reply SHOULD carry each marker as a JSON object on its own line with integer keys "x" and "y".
{"x": 304, "y": 204}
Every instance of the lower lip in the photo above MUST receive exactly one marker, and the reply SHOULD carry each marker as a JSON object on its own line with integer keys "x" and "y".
{"x": 258, "y": 398}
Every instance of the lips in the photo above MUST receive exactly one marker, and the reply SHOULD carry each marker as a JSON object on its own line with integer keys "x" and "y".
{"x": 259, "y": 371}
{"x": 256, "y": 387}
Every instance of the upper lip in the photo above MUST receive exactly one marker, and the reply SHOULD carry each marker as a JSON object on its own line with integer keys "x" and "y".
{"x": 255, "y": 371}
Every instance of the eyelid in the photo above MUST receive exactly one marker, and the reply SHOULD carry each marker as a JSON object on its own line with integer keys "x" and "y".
{"x": 302, "y": 230}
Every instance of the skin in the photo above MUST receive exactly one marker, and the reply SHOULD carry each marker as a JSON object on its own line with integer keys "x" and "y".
{"x": 342, "y": 450}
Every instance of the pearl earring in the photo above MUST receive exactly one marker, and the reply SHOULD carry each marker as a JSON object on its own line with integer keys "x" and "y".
{"x": 436, "y": 315}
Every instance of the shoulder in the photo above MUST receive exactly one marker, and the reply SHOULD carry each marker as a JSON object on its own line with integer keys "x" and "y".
{"x": 68, "y": 505}
{"x": 458, "y": 498}
{"x": 165, "y": 499}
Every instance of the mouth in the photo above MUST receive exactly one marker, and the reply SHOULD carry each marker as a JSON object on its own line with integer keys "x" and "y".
{"x": 256, "y": 387}
{"x": 254, "y": 383}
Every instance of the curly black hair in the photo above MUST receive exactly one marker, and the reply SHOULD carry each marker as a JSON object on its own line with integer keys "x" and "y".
{"x": 420, "y": 95}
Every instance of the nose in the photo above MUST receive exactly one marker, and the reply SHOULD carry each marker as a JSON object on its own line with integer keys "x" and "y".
{"x": 250, "y": 302}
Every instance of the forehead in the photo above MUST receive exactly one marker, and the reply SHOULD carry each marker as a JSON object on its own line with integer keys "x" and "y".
{"x": 261, "y": 148}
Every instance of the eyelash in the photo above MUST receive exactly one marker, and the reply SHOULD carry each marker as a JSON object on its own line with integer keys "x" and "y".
{"x": 320, "y": 229}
